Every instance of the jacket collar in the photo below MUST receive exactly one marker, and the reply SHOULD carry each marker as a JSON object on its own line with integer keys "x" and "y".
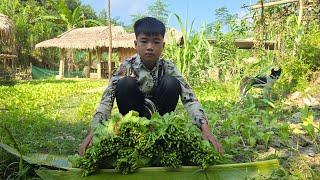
{"x": 140, "y": 64}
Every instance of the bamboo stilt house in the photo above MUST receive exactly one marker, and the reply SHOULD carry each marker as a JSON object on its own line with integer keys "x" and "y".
{"x": 95, "y": 39}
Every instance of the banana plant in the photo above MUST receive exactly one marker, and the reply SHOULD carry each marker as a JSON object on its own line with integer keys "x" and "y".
{"x": 67, "y": 18}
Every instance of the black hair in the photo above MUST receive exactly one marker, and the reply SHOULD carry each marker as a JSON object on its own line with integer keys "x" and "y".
{"x": 149, "y": 26}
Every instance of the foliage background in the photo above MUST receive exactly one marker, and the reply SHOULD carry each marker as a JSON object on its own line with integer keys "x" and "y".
{"x": 52, "y": 116}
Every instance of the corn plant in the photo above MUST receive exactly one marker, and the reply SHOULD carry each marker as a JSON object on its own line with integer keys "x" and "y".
{"x": 197, "y": 57}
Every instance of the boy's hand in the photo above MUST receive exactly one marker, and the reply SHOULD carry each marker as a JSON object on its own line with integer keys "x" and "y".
{"x": 206, "y": 134}
{"x": 86, "y": 143}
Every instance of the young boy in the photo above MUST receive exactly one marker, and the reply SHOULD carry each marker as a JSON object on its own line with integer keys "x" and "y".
{"x": 146, "y": 83}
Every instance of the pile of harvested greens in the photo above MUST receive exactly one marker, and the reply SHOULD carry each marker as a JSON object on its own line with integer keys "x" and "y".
{"x": 129, "y": 142}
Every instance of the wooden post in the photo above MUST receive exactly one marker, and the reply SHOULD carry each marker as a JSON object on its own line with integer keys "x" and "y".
{"x": 89, "y": 64}
{"x": 61, "y": 67}
{"x": 11, "y": 62}
{"x": 300, "y": 13}
{"x": 299, "y": 27}
{"x": 257, "y": 6}
{"x": 99, "y": 63}
{"x": 110, "y": 41}
{"x": 5, "y": 63}
{"x": 71, "y": 66}
{"x": 262, "y": 24}
{"x": 120, "y": 58}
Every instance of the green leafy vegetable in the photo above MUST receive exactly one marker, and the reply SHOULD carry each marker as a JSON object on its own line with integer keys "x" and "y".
{"x": 130, "y": 142}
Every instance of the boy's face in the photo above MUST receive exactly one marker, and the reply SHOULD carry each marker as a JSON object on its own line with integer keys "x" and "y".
{"x": 149, "y": 48}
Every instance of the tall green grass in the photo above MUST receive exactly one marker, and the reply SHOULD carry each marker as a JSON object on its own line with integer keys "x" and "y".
{"x": 201, "y": 61}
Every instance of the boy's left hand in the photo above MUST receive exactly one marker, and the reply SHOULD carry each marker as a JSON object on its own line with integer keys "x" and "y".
{"x": 206, "y": 134}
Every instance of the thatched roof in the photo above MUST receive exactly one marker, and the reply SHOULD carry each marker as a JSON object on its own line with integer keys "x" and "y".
{"x": 173, "y": 36}
{"x": 87, "y": 38}
{"x": 248, "y": 43}
{"x": 6, "y": 30}
{"x": 92, "y": 38}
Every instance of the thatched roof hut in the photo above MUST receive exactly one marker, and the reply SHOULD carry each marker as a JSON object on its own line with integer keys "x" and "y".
{"x": 97, "y": 39}
{"x": 7, "y": 49}
{"x": 6, "y": 30}
{"x": 89, "y": 38}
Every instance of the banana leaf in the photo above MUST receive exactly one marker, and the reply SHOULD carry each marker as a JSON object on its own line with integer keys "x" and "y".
{"x": 257, "y": 170}
{"x": 251, "y": 170}
{"x": 40, "y": 159}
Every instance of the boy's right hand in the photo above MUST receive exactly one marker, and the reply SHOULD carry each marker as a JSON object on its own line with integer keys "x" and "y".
{"x": 86, "y": 143}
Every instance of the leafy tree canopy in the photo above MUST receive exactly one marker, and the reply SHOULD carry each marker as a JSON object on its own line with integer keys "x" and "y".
{"x": 159, "y": 10}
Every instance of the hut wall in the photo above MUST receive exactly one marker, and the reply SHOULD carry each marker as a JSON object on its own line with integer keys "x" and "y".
{"x": 125, "y": 53}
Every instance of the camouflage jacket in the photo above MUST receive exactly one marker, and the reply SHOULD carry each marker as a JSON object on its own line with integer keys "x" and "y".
{"x": 147, "y": 79}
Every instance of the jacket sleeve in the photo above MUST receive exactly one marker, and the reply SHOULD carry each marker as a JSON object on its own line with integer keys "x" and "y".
{"x": 188, "y": 97}
{"x": 105, "y": 106}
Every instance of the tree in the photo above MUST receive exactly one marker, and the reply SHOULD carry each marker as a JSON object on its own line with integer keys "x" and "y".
{"x": 28, "y": 29}
{"x": 224, "y": 16}
{"x": 227, "y": 22}
{"x": 157, "y": 10}
{"x": 67, "y": 18}
{"x": 88, "y": 12}
{"x": 73, "y": 4}
{"x": 135, "y": 17}
{"x": 103, "y": 18}
{"x": 31, "y": 25}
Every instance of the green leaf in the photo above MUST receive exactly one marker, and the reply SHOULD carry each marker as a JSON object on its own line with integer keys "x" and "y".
{"x": 269, "y": 103}
{"x": 224, "y": 172}
{"x": 40, "y": 159}
{"x": 252, "y": 141}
